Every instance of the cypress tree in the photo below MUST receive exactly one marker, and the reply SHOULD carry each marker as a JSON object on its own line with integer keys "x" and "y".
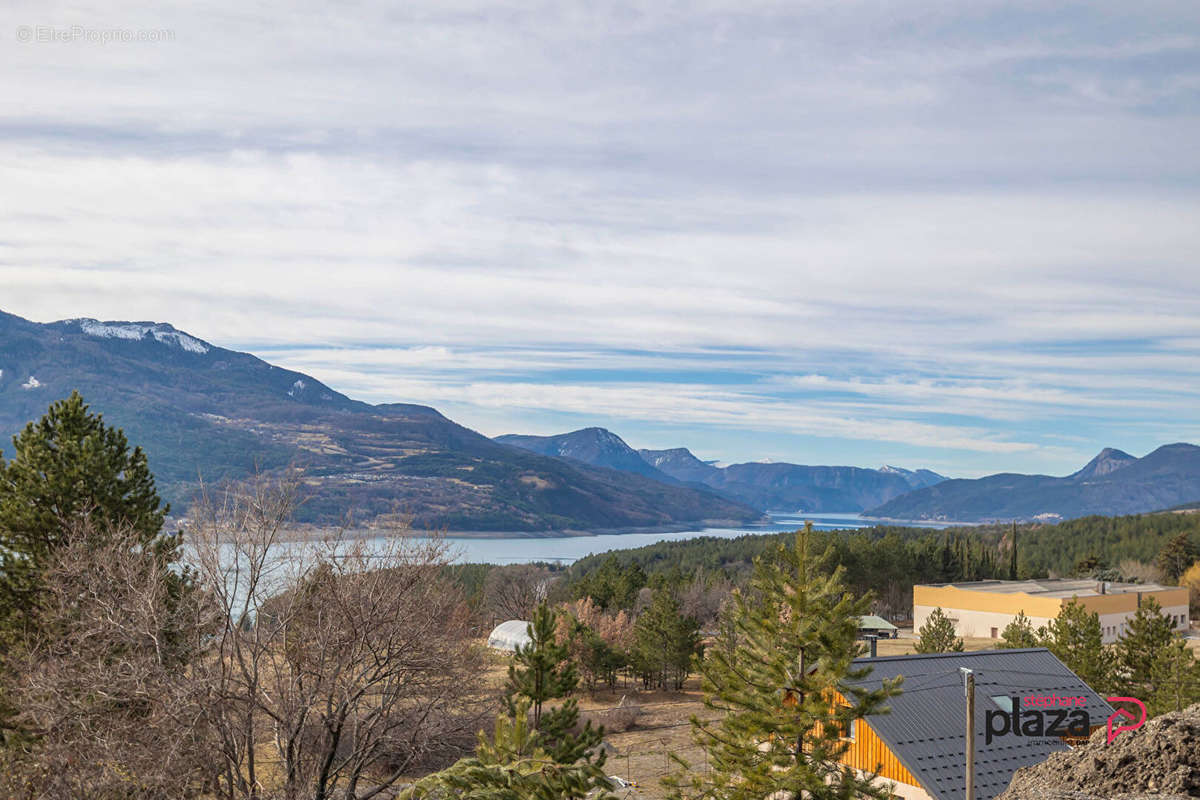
{"x": 776, "y": 684}
{"x": 1012, "y": 563}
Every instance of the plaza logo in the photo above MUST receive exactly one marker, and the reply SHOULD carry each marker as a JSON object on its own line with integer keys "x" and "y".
{"x": 1042, "y": 715}
{"x": 1052, "y": 715}
{"x": 1136, "y": 720}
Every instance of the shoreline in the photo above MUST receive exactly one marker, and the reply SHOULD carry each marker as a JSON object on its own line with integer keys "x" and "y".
{"x": 303, "y": 532}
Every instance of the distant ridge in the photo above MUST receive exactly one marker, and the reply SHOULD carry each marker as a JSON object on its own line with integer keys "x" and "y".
{"x": 204, "y": 412}
{"x": 1106, "y": 462}
{"x": 596, "y": 446}
{"x": 767, "y": 485}
{"x": 1112, "y": 483}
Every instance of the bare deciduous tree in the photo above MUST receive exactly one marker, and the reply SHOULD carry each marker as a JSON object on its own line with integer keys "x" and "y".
{"x": 513, "y": 592}
{"x": 107, "y": 702}
{"x": 339, "y": 667}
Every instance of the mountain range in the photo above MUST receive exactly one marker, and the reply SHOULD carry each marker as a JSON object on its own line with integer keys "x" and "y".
{"x": 1112, "y": 483}
{"x": 774, "y": 486}
{"x": 205, "y": 413}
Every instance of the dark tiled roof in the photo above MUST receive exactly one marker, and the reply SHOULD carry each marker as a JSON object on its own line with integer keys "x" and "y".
{"x": 925, "y": 726}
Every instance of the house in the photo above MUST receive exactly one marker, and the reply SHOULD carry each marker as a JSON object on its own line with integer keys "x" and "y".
{"x": 984, "y": 608}
{"x": 920, "y": 746}
{"x": 877, "y": 626}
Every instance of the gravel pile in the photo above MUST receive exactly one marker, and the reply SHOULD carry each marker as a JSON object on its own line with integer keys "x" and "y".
{"x": 1161, "y": 760}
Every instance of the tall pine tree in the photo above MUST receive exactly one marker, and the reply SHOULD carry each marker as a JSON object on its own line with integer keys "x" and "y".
{"x": 1147, "y": 634}
{"x": 68, "y": 469}
{"x": 776, "y": 683}
{"x": 1175, "y": 676}
{"x": 65, "y": 467}
{"x": 1075, "y": 637}
{"x": 536, "y": 752}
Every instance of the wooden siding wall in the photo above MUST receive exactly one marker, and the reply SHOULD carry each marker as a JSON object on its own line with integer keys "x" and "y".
{"x": 868, "y": 752}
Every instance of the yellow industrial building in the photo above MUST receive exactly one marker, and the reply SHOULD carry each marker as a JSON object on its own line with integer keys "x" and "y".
{"x": 984, "y": 608}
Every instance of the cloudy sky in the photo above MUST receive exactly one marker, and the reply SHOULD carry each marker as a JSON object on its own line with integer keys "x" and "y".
{"x": 964, "y": 236}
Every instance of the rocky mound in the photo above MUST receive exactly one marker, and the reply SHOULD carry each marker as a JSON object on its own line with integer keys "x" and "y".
{"x": 1161, "y": 761}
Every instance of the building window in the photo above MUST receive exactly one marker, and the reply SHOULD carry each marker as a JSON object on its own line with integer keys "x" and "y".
{"x": 1005, "y": 703}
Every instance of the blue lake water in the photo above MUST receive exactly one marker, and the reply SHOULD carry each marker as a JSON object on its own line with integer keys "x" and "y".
{"x": 566, "y": 549}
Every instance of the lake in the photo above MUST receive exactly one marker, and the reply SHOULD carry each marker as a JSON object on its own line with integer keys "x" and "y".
{"x": 566, "y": 549}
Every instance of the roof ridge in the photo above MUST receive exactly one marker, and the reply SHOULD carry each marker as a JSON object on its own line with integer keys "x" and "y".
{"x": 962, "y": 654}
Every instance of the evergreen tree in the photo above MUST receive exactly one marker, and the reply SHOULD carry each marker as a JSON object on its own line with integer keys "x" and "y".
{"x": 1012, "y": 556}
{"x": 775, "y": 686}
{"x": 514, "y": 765}
{"x": 540, "y": 670}
{"x": 1176, "y": 556}
{"x": 1175, "y": 676}
{"x": 937, "y": 635}
{"x": 1019, "y": 633}
{"x": 665, "y": 642}
{"x": 67, "y": 466}
{"x": 1147, "y": 634}
{"x": 1075, "y": 637}
{"x": 67, "y": 469}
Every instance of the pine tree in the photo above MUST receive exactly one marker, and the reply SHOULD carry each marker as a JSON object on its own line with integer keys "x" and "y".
{"x": 536, "y": 751}
{"x": 1019, "y": 633}
{"x": 67, "y": 466}
{"x": 1147, "y": 634}
{"x": 776, "y": 687}
{"x": 1075, "y": 637}
{"x": 514, "y": 765}
{"x": 664, "y": 642}
{"x": 1175, "y": 676}
{"x": 1176, "y": 556}
{"x": 540, "y": 670}
{"x": 937, "y": 635}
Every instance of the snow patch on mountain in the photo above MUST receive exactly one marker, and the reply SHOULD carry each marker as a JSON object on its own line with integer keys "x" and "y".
{"x": 298, "y": 386}
{"x": 137, "y": 331}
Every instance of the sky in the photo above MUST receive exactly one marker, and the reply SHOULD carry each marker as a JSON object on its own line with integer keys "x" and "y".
{"x": 961, "y": 236}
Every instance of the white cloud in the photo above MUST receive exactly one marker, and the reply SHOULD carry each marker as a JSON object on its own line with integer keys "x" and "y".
{"x": 956, "y": 214}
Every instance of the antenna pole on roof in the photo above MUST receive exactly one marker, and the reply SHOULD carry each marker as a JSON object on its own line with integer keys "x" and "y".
{"x": 969, "y": 675}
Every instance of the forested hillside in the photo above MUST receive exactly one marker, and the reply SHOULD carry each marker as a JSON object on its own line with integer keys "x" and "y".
{"x": 889, "y": 560}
